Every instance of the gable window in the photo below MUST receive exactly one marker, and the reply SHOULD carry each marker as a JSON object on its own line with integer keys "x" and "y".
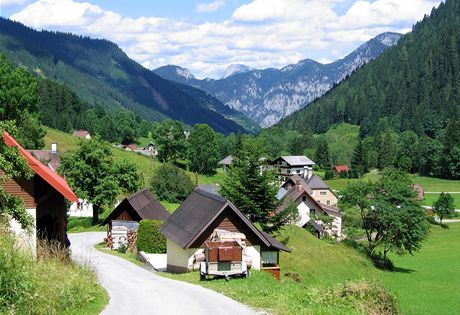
{"x": 312, "y": 211}
{"x": 328, "y": 202}
{"x": 298, "y": 171}
{"x": 323, "y": 193}
{"x": 304, "y": 198}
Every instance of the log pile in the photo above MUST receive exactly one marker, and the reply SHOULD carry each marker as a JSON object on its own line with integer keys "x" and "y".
{"x": 132, "y": 240}
{"x": 108, "y": 240}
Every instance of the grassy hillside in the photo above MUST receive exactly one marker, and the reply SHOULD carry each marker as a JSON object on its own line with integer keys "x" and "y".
{"x": 426, "y": 283}
{"x": 342, "y": 140}
{"x": 147, "y": 166}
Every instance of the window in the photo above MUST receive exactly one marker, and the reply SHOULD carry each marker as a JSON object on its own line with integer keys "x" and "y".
{"x": 298, "y": 171}
{"x": 323, "y": 193}
{"x": 304, "y": 198}
{"x": 269, "y": 259}
{"x": 312, "y": 211}
{"x": 288, "y": 171}
{"x": 328, "y": 202}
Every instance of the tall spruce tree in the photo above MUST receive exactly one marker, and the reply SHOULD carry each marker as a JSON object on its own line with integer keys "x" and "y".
{"x": 322, "y": 153}
{"x": 359, "y": 160}
{"x": 250, "y": 189}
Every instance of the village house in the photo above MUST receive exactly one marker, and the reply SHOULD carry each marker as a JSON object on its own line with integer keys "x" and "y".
{"x": 130, "y": 147}
{"x": 286, "y": 166}
{"x": 150, "y": 149}
{"x": 226, "y": 162}
{"x": 337, "y": 169}
{"x": 305, "y": 195}
{"x": 50, "y": 158}
{"x": 82, "y": 134}
{"x": 43, "y": 197}
{"x": 196, "y": 220}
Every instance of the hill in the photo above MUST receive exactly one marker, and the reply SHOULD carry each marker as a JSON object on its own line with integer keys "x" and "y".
{"x": 414, "y": 85}
{"x": 268, "y": 95}
{"x": 101, "y": 73}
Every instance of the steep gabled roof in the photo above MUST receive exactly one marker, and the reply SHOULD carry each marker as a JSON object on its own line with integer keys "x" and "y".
{"x": 81, "y": 133}
{"x": 52, "y": 178}
{"x": 197, "y": 213}
{"x": 341, "y": 168}
{"x": 141, "y": 205}
{"x": 315, "y": 182}
{"x": 228, "y": 160}
{"x": 295, "y": 180}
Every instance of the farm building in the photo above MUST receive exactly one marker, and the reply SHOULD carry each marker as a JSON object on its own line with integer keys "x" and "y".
{"x": 82, "y": 134}
{"x": 141, "y": 205}
{"x": 196, "y": 220}
{"x": 337, "y": 169}
{"x": 43, "y": 196}
{"x": 226, "y": 162}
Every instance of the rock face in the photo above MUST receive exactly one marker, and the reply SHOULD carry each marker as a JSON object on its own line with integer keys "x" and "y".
{"x": 269, "y": 95}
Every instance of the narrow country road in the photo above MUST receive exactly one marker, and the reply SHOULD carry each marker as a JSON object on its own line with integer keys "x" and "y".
{"x": 134, "y": 290}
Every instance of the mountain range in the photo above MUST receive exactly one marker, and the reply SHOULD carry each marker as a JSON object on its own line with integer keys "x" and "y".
{"x": 101, "y": 73}
{"x": 268, "y": 95}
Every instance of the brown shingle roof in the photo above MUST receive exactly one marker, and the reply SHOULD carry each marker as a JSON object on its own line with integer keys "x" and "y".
{"x": 141, "y": 205}
{"x": 52, "y": 160}
{"x": 197, "y": 212}
{"x": 81, "y": 133}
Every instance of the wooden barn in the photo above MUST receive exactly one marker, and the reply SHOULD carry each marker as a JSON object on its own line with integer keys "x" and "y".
{"x": 43, "y": 196}
{"x": 141, "y": 205}
{"x": 195, "y": 221}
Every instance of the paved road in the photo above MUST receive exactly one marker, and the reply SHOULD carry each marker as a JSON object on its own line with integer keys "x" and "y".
{"x": 134, "y": 290}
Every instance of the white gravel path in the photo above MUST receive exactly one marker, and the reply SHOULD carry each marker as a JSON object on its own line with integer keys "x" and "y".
{"x": 134, "y": 290}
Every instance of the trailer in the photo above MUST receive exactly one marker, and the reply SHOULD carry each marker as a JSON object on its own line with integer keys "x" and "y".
{"x": 223, "y": 259}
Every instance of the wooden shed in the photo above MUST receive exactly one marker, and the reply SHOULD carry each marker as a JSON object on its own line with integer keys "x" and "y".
{"x": 43, "y": 196}
{"x": 189, "y": 228}
{"x": 141, "y": 205}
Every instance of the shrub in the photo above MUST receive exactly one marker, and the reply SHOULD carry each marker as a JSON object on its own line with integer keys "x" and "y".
{"x": 171, "y": 183}
{"x": 328, "y": 174}
{"x": 149, "y": 239}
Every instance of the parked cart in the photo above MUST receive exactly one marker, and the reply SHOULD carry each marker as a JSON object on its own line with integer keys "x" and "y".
{"x": 223, "y": 258}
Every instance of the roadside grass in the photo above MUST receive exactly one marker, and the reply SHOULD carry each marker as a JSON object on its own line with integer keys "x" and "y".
{"x": 83, "y": 224}
{"x": 129, "y": 256}
{"x": 431, "y": 198}
{"x": 50, "y": 284}
{"x": 429, "y": 281}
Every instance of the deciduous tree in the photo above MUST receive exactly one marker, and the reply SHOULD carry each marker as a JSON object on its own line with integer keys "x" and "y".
{"x": 444, "y": 206}
{"x": 203, "y": 151}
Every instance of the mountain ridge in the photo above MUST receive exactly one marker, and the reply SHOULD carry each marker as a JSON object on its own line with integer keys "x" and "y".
{"x": 270, "y": 94}
{"x": 101, "y": 73}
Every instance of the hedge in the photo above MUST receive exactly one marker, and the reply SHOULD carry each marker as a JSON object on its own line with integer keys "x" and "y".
{"x": 149, "y": 239}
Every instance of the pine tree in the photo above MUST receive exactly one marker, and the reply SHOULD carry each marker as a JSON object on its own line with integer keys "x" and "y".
{"x": 358, "y": 161}
{"x": 322, "y": 153}
{"x": 386, "y": 150}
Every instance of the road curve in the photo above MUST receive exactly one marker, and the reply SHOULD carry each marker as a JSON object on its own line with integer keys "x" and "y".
{"x": 134, "y": 290}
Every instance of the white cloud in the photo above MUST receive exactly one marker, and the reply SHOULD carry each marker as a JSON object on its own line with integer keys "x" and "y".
{"x": 261, "y": 34}
{"x": 5, "y": 3}
{"x": 210, "y": 7}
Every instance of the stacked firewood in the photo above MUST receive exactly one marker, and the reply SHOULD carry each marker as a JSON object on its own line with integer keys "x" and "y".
{"x": 132, "y": 240}
{"x": 108, "y": 240}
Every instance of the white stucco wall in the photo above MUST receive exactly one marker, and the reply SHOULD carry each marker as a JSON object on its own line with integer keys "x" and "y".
{"x": 304, "y": 214}
{"x": 27, "y": 240}
{"x": 254, "y": 253}
{"x": 329, "y": 196}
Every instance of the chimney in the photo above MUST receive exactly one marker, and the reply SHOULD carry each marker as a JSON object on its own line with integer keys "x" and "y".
{"x": 53, "y": 147}
{"x": 307, "y": 172}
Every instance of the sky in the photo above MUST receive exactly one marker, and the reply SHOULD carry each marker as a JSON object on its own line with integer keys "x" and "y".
{"x": 206, "y": 36}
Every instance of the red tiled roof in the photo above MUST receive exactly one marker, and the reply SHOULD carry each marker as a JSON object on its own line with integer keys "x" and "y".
{"x": 341, "y": 168}
{"x": 56, "y": 181}
{"x": 132, "y": 146}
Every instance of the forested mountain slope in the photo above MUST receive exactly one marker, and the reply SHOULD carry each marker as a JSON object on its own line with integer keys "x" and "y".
{"x": 412, "y": 86}
{"x": 101, "y": 73}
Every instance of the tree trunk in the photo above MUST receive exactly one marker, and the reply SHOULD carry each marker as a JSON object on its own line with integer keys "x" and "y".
{"x": 95, "y": 214}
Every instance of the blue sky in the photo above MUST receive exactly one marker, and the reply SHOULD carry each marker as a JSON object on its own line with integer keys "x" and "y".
{"x": 207, "y": 36}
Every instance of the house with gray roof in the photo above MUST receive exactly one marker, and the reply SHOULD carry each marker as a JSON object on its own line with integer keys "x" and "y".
{"x": 306, "y": 195}
{"x": 226, "y": 162}
{"x": 286, "y": 166}
{"x": 194, "y": 222}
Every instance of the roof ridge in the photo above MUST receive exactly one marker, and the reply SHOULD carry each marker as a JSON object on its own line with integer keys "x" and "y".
{"x": 210, "y": 195}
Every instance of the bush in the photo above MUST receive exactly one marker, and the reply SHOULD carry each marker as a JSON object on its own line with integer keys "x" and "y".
{"x": 328, "y": 174}
{"x": 149, "y": 239}
{"x": 171, "y": 183}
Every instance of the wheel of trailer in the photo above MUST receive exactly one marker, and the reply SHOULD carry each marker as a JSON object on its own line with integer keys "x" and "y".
{"x": 202, "y": 276}
{"x": 248, "y": 274}
{"x": 227, "y": 278}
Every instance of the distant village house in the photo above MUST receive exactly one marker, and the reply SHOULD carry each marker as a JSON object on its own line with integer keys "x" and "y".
{"x": 286, "y": 166}
{"x": 82, "y": 134}
{"x": 226, "y": 162}
{"x": 337, "y": 169}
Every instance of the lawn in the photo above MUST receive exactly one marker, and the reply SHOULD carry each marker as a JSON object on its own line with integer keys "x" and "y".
{"x": 431, "y": 198}
{"x": 171, "y": 207}
{"x": 429, "y": 281}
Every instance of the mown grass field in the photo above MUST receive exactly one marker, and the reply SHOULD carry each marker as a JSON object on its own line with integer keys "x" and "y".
{"x": 429, "y": 281}
{"x": 431, "y": 198}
